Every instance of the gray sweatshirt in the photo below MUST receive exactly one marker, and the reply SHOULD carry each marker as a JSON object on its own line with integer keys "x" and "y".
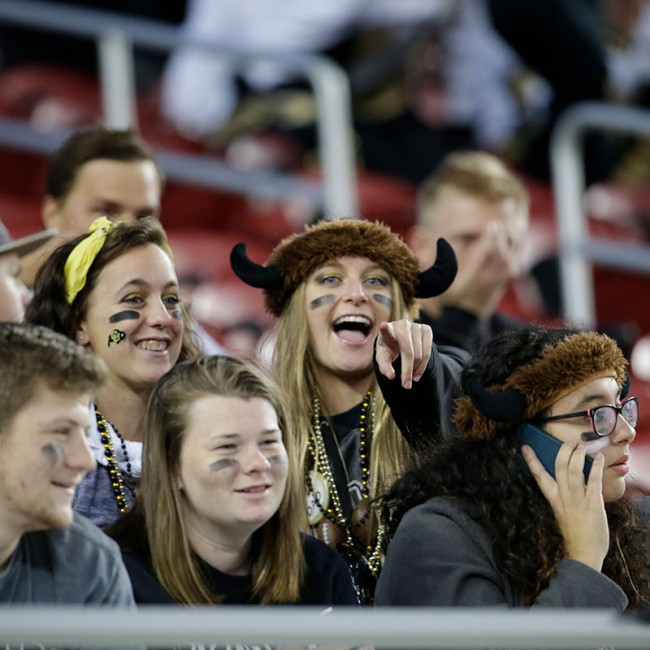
{"x": 78, "y": 565}
{"x": 441, "y": 557}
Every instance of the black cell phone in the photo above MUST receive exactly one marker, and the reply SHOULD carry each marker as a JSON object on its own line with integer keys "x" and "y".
{"x": 545, "y": 446}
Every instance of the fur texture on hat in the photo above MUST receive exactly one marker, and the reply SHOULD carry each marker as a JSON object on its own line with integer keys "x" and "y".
{"x": 297, "y": 256}
{"x": 533, "y": 387}
{"x": 300, "y": 254}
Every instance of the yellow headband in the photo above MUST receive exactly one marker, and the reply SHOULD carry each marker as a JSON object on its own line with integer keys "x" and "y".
{"x": 83, "y": 255}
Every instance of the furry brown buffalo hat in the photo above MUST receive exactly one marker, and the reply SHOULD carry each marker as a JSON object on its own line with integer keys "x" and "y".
{"x": 296, "y": 256}
{"x": 517, "y": 375}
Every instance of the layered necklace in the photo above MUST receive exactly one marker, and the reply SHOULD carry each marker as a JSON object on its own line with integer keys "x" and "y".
{"x": 120, "y": 483}
{"x": 324, "y": 500}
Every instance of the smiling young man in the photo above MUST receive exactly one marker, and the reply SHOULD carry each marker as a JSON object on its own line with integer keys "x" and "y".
{"x": 47, "y": 553}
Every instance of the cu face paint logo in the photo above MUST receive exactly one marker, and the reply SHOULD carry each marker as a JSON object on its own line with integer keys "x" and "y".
{"x": 116, "y": 336}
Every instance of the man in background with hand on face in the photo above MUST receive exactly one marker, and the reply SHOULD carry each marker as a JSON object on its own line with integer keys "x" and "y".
{"x": 481, "y": 208}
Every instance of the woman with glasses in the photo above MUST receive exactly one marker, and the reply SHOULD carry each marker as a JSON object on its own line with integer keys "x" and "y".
{"x": 526, "y": 505}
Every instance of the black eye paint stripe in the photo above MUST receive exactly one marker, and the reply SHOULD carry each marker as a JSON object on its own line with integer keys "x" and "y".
{"x": 385, "y": 300}
{"x": 321, "y": 300}
{"x": 224, "y": 463}
{"x": 128, "y": 314}
{"x": 53, "y": 452}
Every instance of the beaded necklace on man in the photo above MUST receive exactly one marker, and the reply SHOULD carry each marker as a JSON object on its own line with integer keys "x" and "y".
{"x": 324, "y": 498}
{"x": 119, "y": 482}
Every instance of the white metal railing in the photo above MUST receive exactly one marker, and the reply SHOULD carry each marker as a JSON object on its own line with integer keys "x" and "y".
{"x": 576, "y": 247}
{"x": 165, "y": 627}
{"x": 116, "y": 34}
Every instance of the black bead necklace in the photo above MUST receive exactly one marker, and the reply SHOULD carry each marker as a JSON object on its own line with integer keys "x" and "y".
{"x": 317, "y": 448}
{"x": 333, "y": 511}
{"x": 118, "y": 482}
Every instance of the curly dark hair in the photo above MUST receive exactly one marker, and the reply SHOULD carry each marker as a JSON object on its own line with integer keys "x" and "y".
{"x": 485, "y": 477}
{"x": 500, "y": 356}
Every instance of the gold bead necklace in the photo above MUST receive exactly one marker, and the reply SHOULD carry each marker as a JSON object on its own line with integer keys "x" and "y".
{"x": 334, "y": 512}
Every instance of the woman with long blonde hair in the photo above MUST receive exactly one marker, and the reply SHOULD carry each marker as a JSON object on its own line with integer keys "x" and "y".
{"x": 336, "y": 289}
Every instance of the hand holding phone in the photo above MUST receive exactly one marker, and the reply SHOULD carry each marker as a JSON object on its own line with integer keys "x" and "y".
{"x": 545, "y": 446}
{"x": 579, "y": 510}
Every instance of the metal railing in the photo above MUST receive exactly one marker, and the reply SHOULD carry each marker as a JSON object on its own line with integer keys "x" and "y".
{"x": 577, "y": 248}
{"x": 169, "y": 626}
{"x": 117, "y": 34}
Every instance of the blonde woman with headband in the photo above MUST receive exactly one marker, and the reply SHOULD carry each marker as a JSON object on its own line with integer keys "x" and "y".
{"x": 115, "y": 291}
{"x": 336, "y": 289}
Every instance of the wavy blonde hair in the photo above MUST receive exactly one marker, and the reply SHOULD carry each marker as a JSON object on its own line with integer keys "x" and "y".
{"x": 295, "y": 373}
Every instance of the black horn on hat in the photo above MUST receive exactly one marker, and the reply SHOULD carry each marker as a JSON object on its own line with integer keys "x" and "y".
{"x": 438, "y": 278}
{"x": 253, "y": 274}
{"x": 503, "y": 406}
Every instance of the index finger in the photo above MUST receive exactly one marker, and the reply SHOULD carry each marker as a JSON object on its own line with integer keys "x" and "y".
{"x": 384, "y": 350}
{"x": 544, "y": 480}
{"x": 405, "y": 348}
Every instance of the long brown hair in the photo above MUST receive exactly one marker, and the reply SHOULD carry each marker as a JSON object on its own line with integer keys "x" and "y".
{"x": 279, "y": 565}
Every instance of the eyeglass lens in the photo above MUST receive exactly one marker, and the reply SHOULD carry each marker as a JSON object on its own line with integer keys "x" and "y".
{"x": 605, "y": 417}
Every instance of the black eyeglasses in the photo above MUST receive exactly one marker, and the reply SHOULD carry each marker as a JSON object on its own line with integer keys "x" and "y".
{"x": 603, "y": 418}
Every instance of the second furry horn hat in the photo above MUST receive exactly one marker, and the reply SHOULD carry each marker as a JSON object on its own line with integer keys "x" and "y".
{"x": 296, "y": 256}
{"x": 542, "y": 366}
